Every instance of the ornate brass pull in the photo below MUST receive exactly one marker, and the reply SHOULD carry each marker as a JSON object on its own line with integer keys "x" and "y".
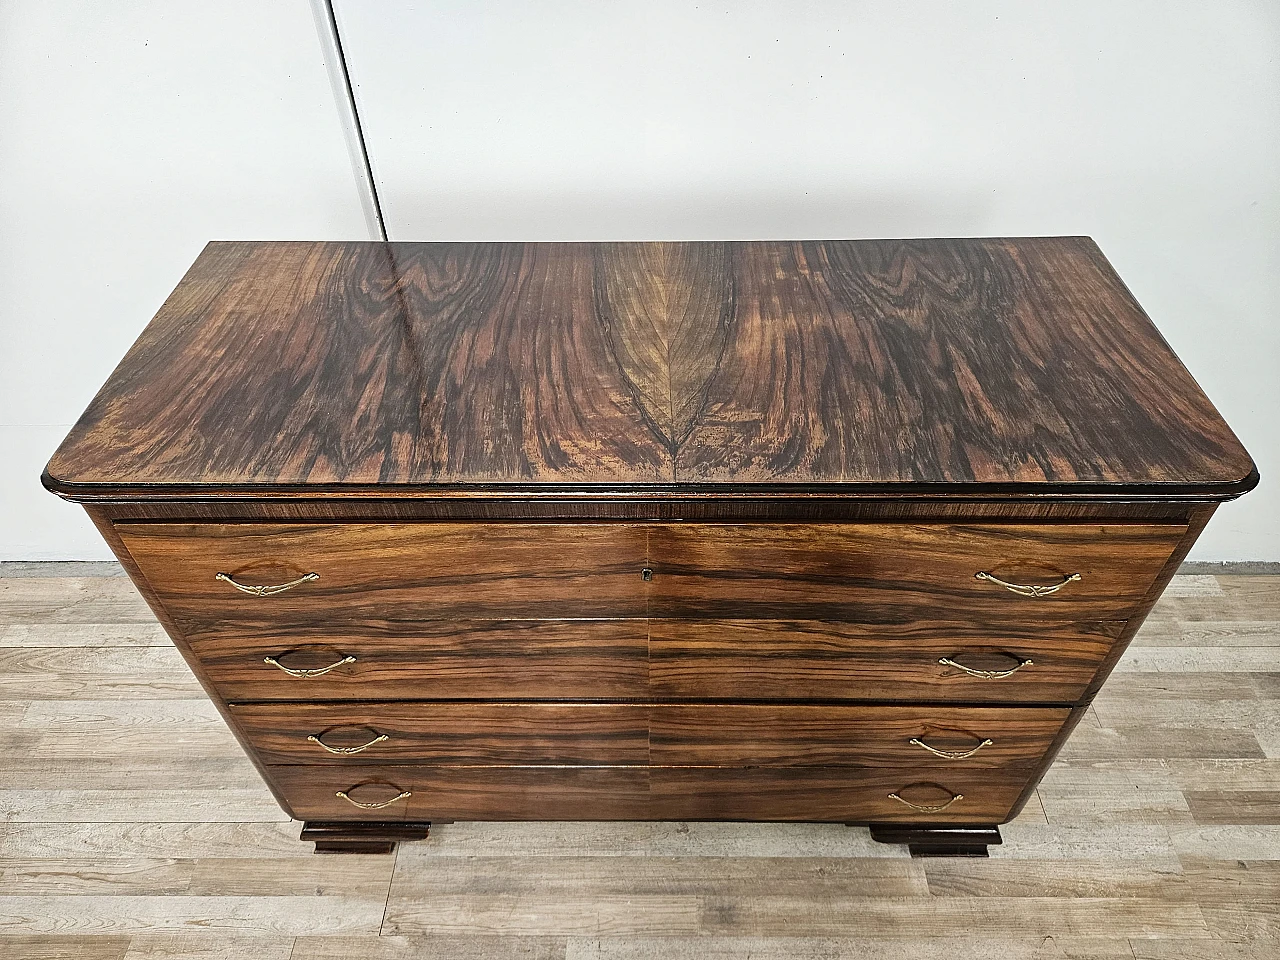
{"x": 938, "y": 809}
{"x": 403, "y": 795}
{"x": 317, "y": 672}
{"x": 1027, "y": 589}
{"x": 950, "y": 754}
{"x": 348, "y": 751}
{"x": 265, "y": 590}
{"x": 985, "y": 674}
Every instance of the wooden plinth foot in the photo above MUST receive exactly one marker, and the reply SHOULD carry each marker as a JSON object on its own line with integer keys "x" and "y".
{"x": 938, "y": 841}
{"x": 335, "y": 836}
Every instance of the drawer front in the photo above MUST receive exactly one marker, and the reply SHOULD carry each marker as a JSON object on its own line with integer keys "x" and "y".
{"x": 387, "y": 793}
{"x": 838, "y": 794}
{"x": 441, "y": 659}
{"x": 876, "y": 573}
{"x": 896, "y": 573}
{"x": 409, "y": 571}
{"x": 448, "y": 734}
{"x": 833, "y": 794}
{"x": 943, "y": 739}
{"x": 826, "y": 660}
{"x": 689, "y": 659}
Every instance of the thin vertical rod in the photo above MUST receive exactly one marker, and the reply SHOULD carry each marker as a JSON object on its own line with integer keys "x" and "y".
{"x": 336, "y": 36}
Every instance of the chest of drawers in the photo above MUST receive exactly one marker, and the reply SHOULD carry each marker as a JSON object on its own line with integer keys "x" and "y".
{"x": 841, "y": 531}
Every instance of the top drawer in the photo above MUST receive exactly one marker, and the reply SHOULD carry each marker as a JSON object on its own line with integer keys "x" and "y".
{"x": 869, "y": 573}
{"x": 897, "y": 572}
{"x": 391, "y": 571}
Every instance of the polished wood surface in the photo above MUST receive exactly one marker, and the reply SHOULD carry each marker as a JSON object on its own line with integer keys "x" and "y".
{"x": 391, "y": 571}
{"x": 135, "y": 825}
{"x": 875, "y": 572}
{"x": 699, "y": 735}
{"x": 830, "y": 660}
{"x": 496, "y": 503}
{"x": 323, "y": 575}
{"x": 899, "y": 572}
{"x": 847, "y": 794}
{"x": 1010, "y": 364}
{"x": 435, "y": 659}
{"x": 450, "y": 734}
{"x": 692, "y": 659}
{"x": 371, "y": 837}
{"x": 467, "y": 793}
{"x": 879, "y": 737}
{"x": 809, "y": 794}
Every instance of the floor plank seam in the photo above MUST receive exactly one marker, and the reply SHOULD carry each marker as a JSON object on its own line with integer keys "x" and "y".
{"x": 391, "y": 883}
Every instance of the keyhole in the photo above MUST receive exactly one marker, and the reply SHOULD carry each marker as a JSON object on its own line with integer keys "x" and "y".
{"x": 647, "y": 574}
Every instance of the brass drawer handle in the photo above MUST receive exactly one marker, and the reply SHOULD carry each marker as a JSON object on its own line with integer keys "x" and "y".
{"x": 404, "y": 795}
{"x": 265, "y": 590}
{"x": 318, "y": 672}
{"x": 348, "y": 751}
{"x": 985, "y": 674}
{"x": 949, "y": 754}
{"x": 938, "y": 809}
{"x": 1027, "y": 589}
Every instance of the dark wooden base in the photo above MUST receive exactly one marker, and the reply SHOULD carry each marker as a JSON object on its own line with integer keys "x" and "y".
{"x": 938, "y": 841}
{"x": 332, "y": 836}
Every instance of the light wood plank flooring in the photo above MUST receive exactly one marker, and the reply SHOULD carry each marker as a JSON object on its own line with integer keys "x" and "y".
{"x": 133, "y": 827}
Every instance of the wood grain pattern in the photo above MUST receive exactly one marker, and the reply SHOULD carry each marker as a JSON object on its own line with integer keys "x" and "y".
{"x": 879, "y": 572}
{"x": 668, "y": 309}
{"x": 692, "y": 659}
{"x": 943, "y": 361}
{"x": 902, "y": 572}
{"x": 829, "y": 660}
{"x": 698, "y": 735}
{"x": 877, "y": 737}
{"x": 467, "y": 793}
{"x": 837, "y": 794}
{"x": 1153, "y": 885}
{"x": 391, "y": 571}
{"x": 1021, "y": 364}
{"x": 935, "y": 408}
{"x": 867, "y": 572}
{"x": 432, "y": 659}
{"x": 843, "y": 794}
{"x": 451, "y": 734}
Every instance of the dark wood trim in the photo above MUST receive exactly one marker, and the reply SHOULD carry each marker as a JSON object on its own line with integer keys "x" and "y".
{"x": 1083, "y": 491}
{"x": 941, "y": 841}
{"x": 369, "y": 837}
{"x": 718, "y": 510}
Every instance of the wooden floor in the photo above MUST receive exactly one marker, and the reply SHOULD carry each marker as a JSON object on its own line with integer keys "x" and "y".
{"x": 134, "y": 827}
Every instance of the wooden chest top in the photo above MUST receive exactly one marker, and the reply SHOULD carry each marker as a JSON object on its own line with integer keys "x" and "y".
{"x": 988, "y": 366}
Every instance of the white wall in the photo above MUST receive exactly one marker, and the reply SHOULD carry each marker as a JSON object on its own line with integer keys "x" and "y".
{"x": 131, "y": 133}
{"x": 1151, "y": 125}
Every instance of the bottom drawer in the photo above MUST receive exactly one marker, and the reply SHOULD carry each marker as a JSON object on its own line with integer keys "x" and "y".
{"x": 834, "y": 794}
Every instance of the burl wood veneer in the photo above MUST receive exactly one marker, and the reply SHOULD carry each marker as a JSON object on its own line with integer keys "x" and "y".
{"x": 824, "y": 530}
